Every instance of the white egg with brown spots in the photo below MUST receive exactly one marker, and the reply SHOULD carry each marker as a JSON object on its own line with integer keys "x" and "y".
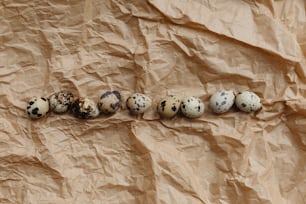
{"x": 248, "y": 101}
{"x": 37, "y": 107}
{"x": 138, "y": 103}
{"x": 85, "y": 108}
{"x": 61, "y": 102}
{"x": 222, "y": 101}
{"x": 168, "y": 106}
{"x": 109, "y": 102}
{"x": 192, "y": 107}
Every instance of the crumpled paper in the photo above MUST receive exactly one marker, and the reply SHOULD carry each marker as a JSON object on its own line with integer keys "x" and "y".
{"x": 156, "y": 47}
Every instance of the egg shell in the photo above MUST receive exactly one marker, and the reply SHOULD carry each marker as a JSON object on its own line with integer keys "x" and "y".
{"x": 85, "y": 108}
{"x": 222, "y": 101}
{"x": 192, "y": 107}
{"x": 168, "y": 106}
{"x": 37, "y": 107}
{"x": 109, "y": 102}
{"x": 61, "y": 102}
{"x": 138, "y": 103}
{"x": 248, "y": 101}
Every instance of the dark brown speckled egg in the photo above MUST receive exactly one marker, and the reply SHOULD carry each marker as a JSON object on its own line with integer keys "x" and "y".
{"x": 109, "y": 102}
{"x": 85, "y": 108}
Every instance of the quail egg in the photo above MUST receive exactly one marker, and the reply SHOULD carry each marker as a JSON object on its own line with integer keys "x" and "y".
{"x": 192, "y": 107}
{"x": 85, "y": 108}
{"x": 138, "y": 103}
{"x": 222, "y": 101}
{"x": 61, "y": 102}
{"x": 168, "y": 106}
{"x": 109, "y": 102}
{"x": 37, "y": 107}
{"x": 248, "y": 101}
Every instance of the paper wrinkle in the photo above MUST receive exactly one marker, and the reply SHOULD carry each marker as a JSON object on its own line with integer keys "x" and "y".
{"x": 156, "y": 47}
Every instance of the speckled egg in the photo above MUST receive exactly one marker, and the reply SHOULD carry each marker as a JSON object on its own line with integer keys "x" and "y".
{"x": 248, "y": 101}
{"x": 85, "y": 108}
{"x": 37, "y": 107}
{"x": 109, "y": 102}
{"x": 138, "y": 103}
{"x": 192, "y": 107}
{"x": 222, "y": 101}
{"x": 168, "y": 106}
{"x": 61, "y": 102}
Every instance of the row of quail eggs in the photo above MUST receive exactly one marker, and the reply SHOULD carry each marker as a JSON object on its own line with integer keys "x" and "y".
{"x": 168, "y": 107}
{"x": 246, "y": 101}
{"x": 82, "y": 107}
{"x": 110, "y": 101}
{"x": 220, "y": 102}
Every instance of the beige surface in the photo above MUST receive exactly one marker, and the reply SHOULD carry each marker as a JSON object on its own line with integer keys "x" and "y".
{"x": 155, "y": 47}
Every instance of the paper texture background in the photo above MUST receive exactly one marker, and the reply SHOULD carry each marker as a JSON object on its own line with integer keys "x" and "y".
{"x": 156, "y": 47}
